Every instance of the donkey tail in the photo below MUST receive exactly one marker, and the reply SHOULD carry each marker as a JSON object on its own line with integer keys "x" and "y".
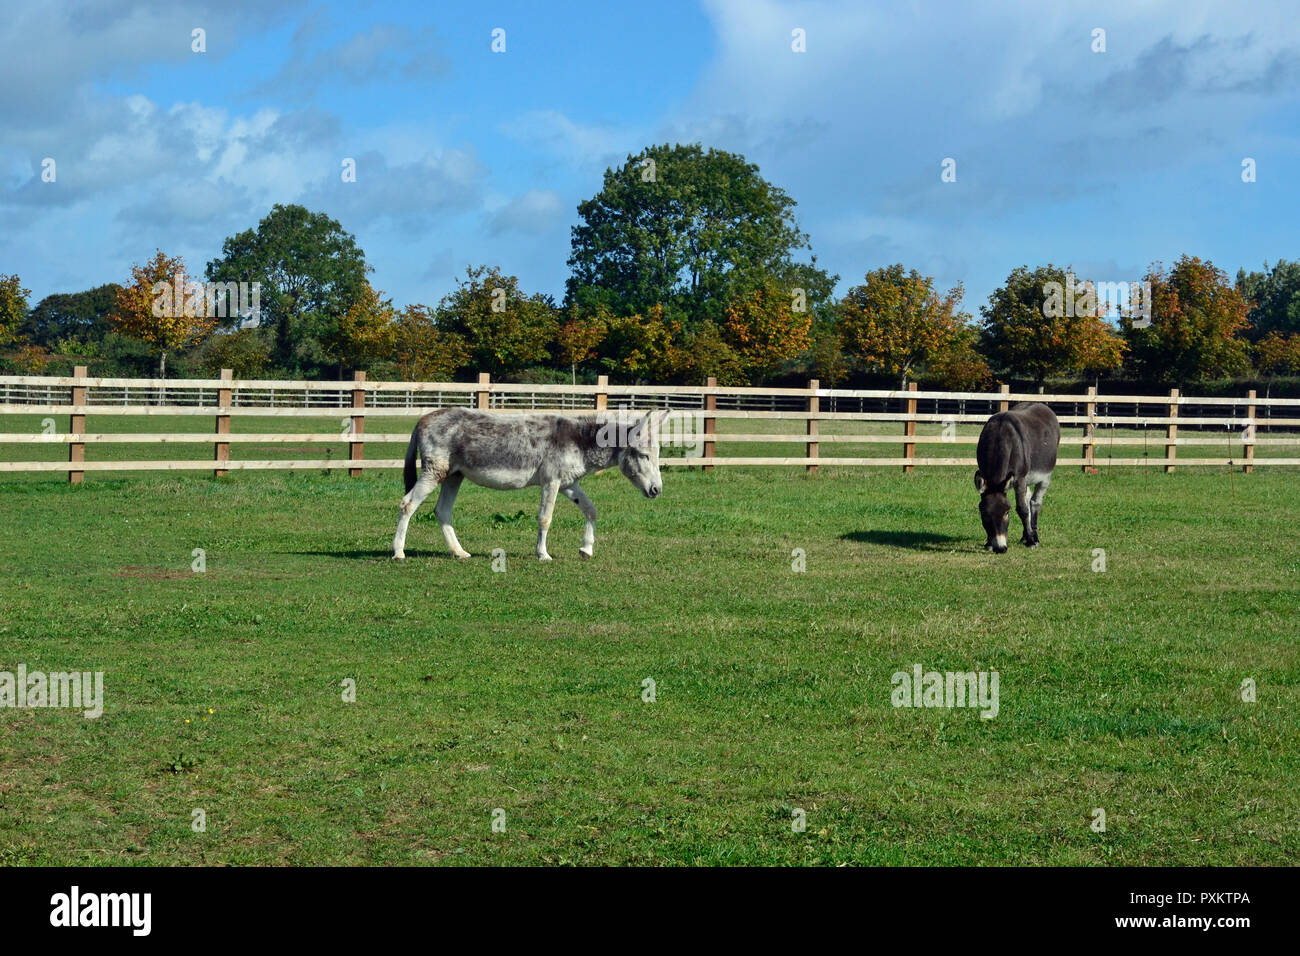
{"x": 409, "y": 473}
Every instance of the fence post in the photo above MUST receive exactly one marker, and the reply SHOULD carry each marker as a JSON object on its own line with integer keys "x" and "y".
{"x": 1089, "y": 430}
{"x": 222, "y": 452}
{"x": 1171, "y": 450}
{"x": 1249, "y": 442}
{"x": 814, "y": 406}
{"x": 602, "y": 397}
{"x": 1004, "y": 404}
{"x": 485, "y": 380}
{"x": 909, "y": 428}
{"x": 77, "y": 425}
{"x": 357, "y": 449}
{"x": 710, "y": 422}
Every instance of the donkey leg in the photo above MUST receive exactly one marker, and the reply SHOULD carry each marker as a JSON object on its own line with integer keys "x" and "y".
{"x": 447, "y": 501}
{"x": 1022, "y": 509}
{"x": 549, "y": 491}
{"x": 412, "y": 500}
{"x": 579, "y": 498}
{"x": 1036, "y": 505}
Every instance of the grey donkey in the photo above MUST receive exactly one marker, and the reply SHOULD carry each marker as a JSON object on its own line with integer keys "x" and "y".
{"x": 1017, "y": 448}
{"x": 507, "y": 451}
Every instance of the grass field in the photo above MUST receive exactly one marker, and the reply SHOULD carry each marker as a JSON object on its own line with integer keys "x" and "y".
{"x": 522, "y": 691}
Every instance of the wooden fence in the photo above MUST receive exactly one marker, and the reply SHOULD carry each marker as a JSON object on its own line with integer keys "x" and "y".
{"x": 692, "y": 426}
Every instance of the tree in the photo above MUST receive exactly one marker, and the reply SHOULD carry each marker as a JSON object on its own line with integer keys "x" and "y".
{"x": 310, "y": 270}
{"x": 644, "y": 348}
{"x": 423, "y": 351}
{"x": 686, "y": 230}
{"x": 13, "y": 307}
{"x": 246, "y": 352}
{"x": 895, "y": 322}
{"x": 579, "y": 336}
{"x": 1196, "y": 318}
{"x": 505, "y": 330}
{"x": 1046, "y": 322}
{"x": 708, "y": 354}
{"x": 960, "y": 366}
{"x": 366, "y": 331}
{"x": 765, "y": 332}
{"x": 80, "y": 317}
{"x": 162, "y": 306}
{"x": 1274, "y": 297}
{"x": 1277, "y": 354}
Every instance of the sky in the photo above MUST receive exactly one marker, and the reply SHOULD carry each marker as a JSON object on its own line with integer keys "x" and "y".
{"x": 1107, "y": 161}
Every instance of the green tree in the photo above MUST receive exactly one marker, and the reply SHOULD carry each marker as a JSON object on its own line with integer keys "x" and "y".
{"x": 311, "y": 272}
{"x": 1274, "y": 297}
{"x": 505, "y": 330}
{"x": 1047, "y": 322}
{"x": 688, "y": 230}
{"x": 1197, "y": 318}
{"x": 80, "y": 317}
{"x": 13, "y": 307}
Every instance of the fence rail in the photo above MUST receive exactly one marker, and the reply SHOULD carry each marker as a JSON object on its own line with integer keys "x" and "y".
{"x": 695, "y": 412}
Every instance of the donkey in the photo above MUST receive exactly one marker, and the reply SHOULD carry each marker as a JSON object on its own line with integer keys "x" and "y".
{"x": 515, "y": 451}
{"x": 1017, "y": 447}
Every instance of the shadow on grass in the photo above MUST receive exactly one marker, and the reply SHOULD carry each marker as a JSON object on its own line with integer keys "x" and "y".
{"x": 916, "y": 540}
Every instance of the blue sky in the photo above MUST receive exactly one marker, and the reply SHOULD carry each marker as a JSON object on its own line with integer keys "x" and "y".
{"x": 1106, "y": 161}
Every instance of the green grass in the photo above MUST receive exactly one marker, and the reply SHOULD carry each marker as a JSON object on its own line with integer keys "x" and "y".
{"x": 523, "y": 690}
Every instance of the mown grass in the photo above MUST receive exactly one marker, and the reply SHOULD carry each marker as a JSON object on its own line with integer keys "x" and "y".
{"x": 522, "y": 690}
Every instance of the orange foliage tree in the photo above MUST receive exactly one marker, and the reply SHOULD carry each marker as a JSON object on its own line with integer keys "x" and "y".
{"x": 896, "y": 322}
{"x": 1197, "y": 319}
{"x": 766, "y": 332}
{"x": 423, "y": 351}
{"x": 163, "y": 307}
{"x": 1046, "y": 322}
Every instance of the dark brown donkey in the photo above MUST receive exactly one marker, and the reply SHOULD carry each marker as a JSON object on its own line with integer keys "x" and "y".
{"x": 1017, "y": 448}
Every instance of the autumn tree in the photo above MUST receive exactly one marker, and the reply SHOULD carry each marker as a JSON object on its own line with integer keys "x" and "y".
{"x": 1277, "y": 354}
{"x": 365, "y": 332}
{"x": 162, "y": 306}
{"x": 579, "y": 336}
{"x": 766, "y": 331}
{"x": 896, "y": 322}
{"x": 13, "y": 307}
{"x": 645, "y": 348}
{"x": 505, "y": 330}
{"x": 708, "y": 353}
{"x": 1197, "y": 316}
{"x": 1047, "y": 322}
{"x": 423, "y": 351}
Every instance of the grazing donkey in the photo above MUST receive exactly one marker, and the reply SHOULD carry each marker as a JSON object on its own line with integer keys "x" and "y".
{"x": 515, "y": 451}
{"x": 1017, "y": 447}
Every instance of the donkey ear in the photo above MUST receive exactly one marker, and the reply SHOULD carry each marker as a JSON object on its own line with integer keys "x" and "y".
{"x": 979, "y": 482}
